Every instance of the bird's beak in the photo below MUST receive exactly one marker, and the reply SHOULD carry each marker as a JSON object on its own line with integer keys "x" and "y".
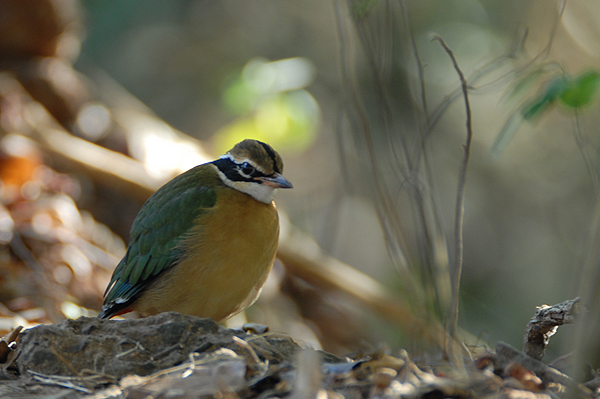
{"x": 276, "y": 180}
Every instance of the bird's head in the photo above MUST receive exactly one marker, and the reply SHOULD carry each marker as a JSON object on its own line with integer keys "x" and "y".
{"x": 254, "y": 168}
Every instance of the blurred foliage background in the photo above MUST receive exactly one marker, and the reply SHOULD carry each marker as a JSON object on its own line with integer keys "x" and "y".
{"x": 368, "y": 115}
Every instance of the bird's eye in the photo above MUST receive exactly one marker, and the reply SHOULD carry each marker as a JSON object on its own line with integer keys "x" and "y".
{"x": 247, "y": 169}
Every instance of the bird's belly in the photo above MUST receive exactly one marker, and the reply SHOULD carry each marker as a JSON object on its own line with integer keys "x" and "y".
{"x": 228, "y": 257}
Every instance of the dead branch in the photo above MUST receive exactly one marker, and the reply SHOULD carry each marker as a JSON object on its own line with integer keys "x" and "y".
{"x": 303, "y": 258}
{"x": 544, "y": 324}
{"x": 101, "y": 164}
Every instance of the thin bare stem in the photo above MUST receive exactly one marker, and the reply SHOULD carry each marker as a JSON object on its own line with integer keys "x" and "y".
{"x": 361, "y": 123}
{"x": 415, "y": 49}
{"x": 460, "y": 194}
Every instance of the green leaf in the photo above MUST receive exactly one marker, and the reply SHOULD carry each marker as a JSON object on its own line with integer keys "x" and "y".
{"x": 580, "y": 91}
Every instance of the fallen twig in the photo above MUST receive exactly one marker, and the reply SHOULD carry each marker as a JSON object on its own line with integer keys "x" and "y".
{"x": 506, "y": 354}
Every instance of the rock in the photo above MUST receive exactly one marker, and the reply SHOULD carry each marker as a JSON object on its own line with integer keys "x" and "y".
{"x": 134, "y": 346}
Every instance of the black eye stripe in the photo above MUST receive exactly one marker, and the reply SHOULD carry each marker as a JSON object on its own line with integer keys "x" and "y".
{"x": 234, "y": 171}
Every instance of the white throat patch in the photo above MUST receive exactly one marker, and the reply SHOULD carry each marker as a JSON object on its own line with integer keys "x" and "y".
{"x": 260, "y": 192}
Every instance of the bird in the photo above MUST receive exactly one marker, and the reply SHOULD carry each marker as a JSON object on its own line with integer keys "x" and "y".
{"x": 204, "y": 243}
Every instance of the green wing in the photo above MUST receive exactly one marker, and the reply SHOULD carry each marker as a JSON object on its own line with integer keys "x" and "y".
{"x": 157, "y": 230}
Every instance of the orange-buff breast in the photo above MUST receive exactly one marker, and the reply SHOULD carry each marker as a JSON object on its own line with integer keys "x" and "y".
{"x": 229, "y": 254}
